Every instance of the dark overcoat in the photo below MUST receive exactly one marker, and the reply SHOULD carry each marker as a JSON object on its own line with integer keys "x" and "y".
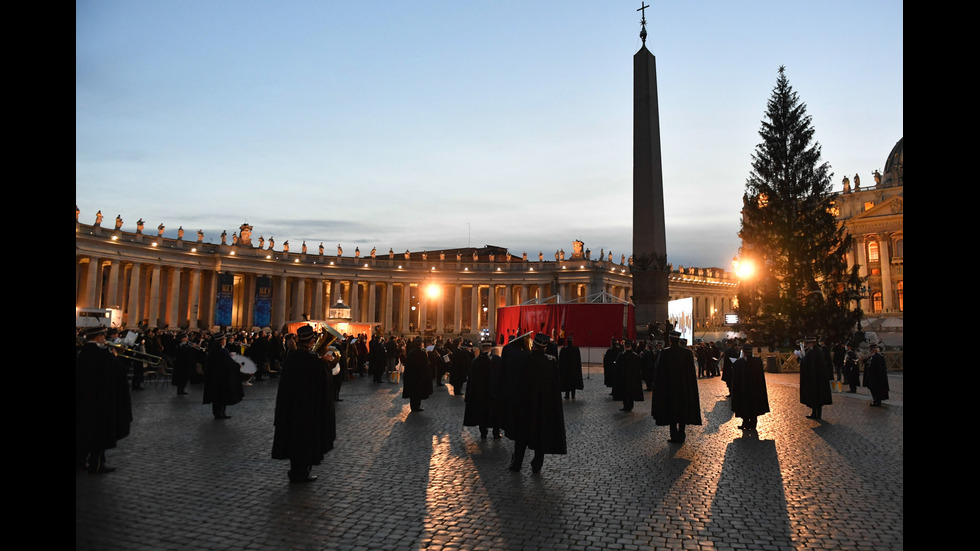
{"x": 570, "y": 367}
{"x": 305, "y": 421}
{"x": 222, "y": 378}
{"x": 675, "y": 397}
{"x": 514, "y": 358}
{"x": 876, "y": 377}
{"x": 418, "y": 374}
{"x": 815, "y": 376}
{"x": 609, "y": 365}
{"x": 103, "y": 410}
{"x": 483, "y": 392}
{"x": 539, "y": 420}
{"x": 461, "y": 359}
{"x": 185, "y": 362}
{"x": 629, "y": 377}
{"x": 750, "y": 397}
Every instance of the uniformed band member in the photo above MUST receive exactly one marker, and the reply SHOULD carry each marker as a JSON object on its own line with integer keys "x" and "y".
{"x": 483, "y": 392}
{"x": 103, "y": 410}
{"x": 675, "y": 400}
{"x": 750, "y": 397}
{"x": 815, "y": 376}
{"x": 305, "y": 421}
{"x": 538, "y": 420}
{"x": 417, "y": 376}
{"x": 876, "y": 376}
{"x": 222, "y": 378}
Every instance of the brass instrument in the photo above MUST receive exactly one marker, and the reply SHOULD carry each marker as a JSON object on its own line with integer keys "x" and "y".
{"x": 326, "y": 338}
{"x": 124, "y": 351}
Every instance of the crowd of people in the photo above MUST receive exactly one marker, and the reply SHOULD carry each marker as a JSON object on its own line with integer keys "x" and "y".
{"x": 515, "y": 391}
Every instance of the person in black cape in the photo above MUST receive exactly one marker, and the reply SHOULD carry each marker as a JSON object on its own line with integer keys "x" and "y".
{"x": 629, "y": 376}
{"x": 483, "y": 392}
{"x": 417, "y": 376}
{"x": 184, "y": 363}
{"x": 103, "y": 410}
{"x": 609, "y": 364}
{"x": 750, "y": 397}
{"x": 815, "y": 377}
{"x": 876, "y": 376}
{"x": 305, "y": 420}
{"x": 675, "y": 400}
{"x": 222, "y": 378}
{"x": 538, "y": 421}
{"x": 570, "y": 367}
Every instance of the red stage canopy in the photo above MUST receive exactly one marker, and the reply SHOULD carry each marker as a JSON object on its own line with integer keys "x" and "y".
{"x": 591, "y": 324}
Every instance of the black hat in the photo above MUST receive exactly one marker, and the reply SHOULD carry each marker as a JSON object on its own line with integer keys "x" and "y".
{"x": 305, "y": 333}
{"x": 542, "y": 339}
{"x": 218, "y": 336}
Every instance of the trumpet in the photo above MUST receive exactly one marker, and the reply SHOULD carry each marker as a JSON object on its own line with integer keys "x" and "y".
{"x": 128, "y": 352}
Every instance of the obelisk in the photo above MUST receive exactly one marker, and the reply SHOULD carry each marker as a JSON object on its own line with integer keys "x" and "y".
{"x": 650, "y": 291}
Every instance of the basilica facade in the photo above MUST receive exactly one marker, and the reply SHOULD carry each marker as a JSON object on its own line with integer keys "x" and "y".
{"x": 164, "y": 282}
{"x": 874, "y": 216}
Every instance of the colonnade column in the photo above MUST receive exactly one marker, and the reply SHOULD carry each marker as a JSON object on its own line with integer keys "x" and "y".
{"x": 112, "y": 292}
{"x": 406, "y": 305}
{"x": 194, "y": 298}
{"x": 134, "y": 312}
{"x": 299, "y": 298}
{"x": 862, "y": 260}
{"x": 355, "y": 302}
{"x": 457, "y": 308}
{"x": 173, "y": 299}
{"x": 389, "y": 306}
{"x": 372, "y": 303}
{"x": 475, "y": 309}
{"x": 278, "y": 301}
{"x": 441, "y": 310}
{"x": 317, "y": 308}
{"x": 885, "y": 261}
{"x": 154, "y": 306}
{"x": 423, "y": 310}
{"x": 492, "y": 309}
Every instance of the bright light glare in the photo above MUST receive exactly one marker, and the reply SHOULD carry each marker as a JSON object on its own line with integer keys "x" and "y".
{"x": 744, "y": 269}
{"x": 432, "y": 291}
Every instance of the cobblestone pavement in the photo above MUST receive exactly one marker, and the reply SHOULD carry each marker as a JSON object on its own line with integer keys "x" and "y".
{"x": 422, "y": 481}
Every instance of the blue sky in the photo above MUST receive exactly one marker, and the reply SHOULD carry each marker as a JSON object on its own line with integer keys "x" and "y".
{"x": 434, "y": 124}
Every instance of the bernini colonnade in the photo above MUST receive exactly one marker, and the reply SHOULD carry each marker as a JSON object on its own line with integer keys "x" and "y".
{"x": 166, "y": 282}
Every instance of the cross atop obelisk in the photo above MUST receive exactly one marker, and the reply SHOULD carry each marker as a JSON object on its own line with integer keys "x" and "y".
{"x": 643, "y": 22}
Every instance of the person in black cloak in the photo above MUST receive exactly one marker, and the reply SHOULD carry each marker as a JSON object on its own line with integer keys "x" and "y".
{"x": 609, "y": 364}
{"x": 629, "y": 376}
{"x": 852, "y": 369}
{"x": 222, "y": 378}
{"x": 305, "y": 420}
{"x": 570, "y": 367}
{"x": 815, "y": 377}
{"x": 876, "y": 376}
{"x": 103, "y": 410}
{"x": 730, "y": 355}
{"x": 675, "y": 400}
{"x": 538, "y": 418}
{"x": 750, "y": 398}
{"x": 417, "y": 376}
{"x": 483, "y": 393}
{"x": 461, "y": 357}
{"x": 183, "y": 364}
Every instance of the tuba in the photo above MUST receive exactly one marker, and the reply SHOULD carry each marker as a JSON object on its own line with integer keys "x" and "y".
{"x": 326, "y": 338}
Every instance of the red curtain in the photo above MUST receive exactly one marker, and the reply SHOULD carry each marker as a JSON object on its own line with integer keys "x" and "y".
{"x": 589, "y": 324}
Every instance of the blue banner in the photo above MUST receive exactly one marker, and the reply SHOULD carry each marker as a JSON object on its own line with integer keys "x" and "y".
{"x": 263, "y": 302}
{"x": 224, "y": 299}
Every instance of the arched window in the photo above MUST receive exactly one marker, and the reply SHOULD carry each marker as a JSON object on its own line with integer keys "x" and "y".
{"x": 876, "y": 305}
{"x": 899, "y": 247}
{"x": 873, "y": 251}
